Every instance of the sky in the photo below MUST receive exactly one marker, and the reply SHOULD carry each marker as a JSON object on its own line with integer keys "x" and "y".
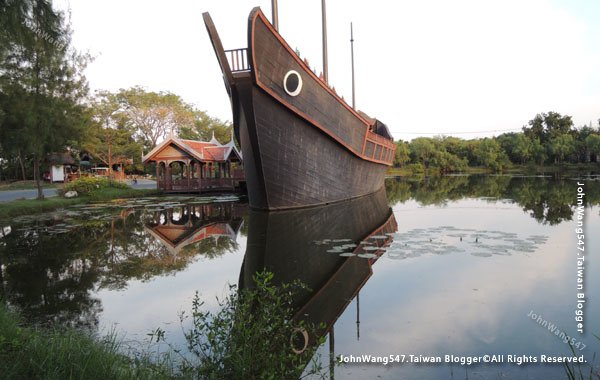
{"x": 465, "y": 68}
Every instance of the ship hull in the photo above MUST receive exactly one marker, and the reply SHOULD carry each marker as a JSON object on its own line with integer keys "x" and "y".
{"x": 289, "y": 163}
{"x": 301, "y": 147}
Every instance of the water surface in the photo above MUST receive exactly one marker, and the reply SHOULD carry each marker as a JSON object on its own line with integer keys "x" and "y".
{"x": 453, "y": 265}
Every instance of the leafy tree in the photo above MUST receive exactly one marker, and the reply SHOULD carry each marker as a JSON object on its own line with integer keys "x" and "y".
{"x": 523, "y": 148}
{"x": 592, "y": 143}
{"x": 154, "y": 115}
{"x": 110, "y": 139}
{"x": 447, "y": 162}
{"x": 41, "y": 83}
{"x": 423, "y": 150}
{"x": 204, "y": 126}
{"x": 562, "y": 146}
{"x": 455, "y": 146}
{"x": 546, "y": 126}
{"x": 490, "y": 154}
{"x": 538, "y": 152}
{"x": 582, "y": 151}
{"x": 402, "y": 154}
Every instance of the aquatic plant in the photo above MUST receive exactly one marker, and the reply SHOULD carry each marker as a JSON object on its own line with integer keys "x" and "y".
{"x": 253, "y": 335}
{"x": 575, "y": 371}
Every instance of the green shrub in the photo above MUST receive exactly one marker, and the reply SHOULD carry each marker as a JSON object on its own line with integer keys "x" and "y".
{"x": 251, "y": 336}
{"x": 416, "y": 168}
{"x": 89, "y": 185}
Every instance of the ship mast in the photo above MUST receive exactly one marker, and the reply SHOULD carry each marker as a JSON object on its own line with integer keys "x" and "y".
{"x": 352, "y": 55}
{"x": 324, "y": 14}
{"x": 274, "y": 15}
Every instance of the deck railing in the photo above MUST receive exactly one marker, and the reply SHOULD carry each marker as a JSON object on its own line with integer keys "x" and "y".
{"x": 199, "y": 184}
{"x": 238, "y": 59}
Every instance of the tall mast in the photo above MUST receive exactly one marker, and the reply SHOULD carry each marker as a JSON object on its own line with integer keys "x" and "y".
{"x": 324, "y": 13}
{"x": 274, "y": 16}
{"x": 352, "y": 55}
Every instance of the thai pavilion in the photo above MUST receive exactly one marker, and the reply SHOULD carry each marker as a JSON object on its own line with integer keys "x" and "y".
{"x": 196, "y": 166}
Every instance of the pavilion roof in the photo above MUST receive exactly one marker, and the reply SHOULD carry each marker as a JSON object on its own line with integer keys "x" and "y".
{"x": 205, "y": 151}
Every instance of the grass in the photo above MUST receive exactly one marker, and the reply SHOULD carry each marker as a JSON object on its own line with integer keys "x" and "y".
{"x": 33, "y": 206}
{"x": 566, "y": 168}
{"x": 406, "y": 171}
{"x": 29, "y": 353}
{"x": 577, "y": 371}
{"x": 248, "y": 338}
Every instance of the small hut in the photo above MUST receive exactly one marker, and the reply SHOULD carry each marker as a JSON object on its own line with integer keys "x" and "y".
{"x": 196, "y": 166}
{"x": 61, "y": 165}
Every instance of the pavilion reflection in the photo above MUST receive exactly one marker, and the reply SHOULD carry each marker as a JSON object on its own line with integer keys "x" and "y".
{"x": 180, "y": 226}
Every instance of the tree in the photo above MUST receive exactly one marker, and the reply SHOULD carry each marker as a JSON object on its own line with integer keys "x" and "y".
{"x": 546, "y": 126}
{"x": 402, "y": 154}
{"x": 204, "y": 126}
{"x": 592, "y": 143}
{"x": 522, "y": 148}
{"x": 490, "y": 154}
{"x": 538, "y": 152}
{"x": 422, "y": 149}
{"x": 41, "y": 83}
{"x": 562, "y": 146}
{"x": 109, "y": 138}
{"x": 154, "y": 115}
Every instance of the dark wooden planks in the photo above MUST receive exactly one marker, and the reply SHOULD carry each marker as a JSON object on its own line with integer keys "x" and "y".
{"x": 272, "y": 60}
{"x": 301, "y": 166}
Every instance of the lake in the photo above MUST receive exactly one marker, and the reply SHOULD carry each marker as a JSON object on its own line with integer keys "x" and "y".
{"x": 450, "y": 268}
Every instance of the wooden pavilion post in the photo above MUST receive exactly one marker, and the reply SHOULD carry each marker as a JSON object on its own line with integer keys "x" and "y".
{"x": 199, "y": 174}
{"x": 168, "y": 179}
{"x": 158, "y": 173}
{"x": 188, "y": 170}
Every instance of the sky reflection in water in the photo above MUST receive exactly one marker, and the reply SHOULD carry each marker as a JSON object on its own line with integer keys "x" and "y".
{"x": 472, "y": 257}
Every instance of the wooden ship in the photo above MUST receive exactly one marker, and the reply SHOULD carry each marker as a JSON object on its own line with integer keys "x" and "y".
{"x": 302, "y": 144}
{"x": 331, "y": 249}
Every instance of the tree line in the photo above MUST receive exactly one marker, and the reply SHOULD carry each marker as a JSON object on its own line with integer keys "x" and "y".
{"x": 548, "y": 138}
{"x": 46, "y": 106}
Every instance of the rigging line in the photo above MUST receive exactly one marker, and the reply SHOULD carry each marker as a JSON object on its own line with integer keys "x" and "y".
{"x": 461, "y": 133}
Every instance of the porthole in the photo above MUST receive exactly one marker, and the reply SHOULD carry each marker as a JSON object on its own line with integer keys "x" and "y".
{"x": 299, "y": 340}
{"x": 292, "y": 83}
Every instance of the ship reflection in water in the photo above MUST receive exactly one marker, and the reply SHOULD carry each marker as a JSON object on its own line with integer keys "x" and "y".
{"x": 330, "y": 249}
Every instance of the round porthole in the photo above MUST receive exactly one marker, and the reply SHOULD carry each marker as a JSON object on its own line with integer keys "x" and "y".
{"x": 292, "y": 83}
{"x": 299, "y": 340}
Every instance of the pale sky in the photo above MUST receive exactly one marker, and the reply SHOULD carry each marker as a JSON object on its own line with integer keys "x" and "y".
{"x": 422, "y": 67}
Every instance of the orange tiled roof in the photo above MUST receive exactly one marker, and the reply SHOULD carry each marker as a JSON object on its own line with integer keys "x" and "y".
{"x": 210, "y": 151}
{"x": 216, "y": 153}
{"x": 203, "y": 150}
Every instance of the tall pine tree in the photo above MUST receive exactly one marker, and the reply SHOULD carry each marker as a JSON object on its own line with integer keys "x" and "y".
{"x": 42, "y": 88}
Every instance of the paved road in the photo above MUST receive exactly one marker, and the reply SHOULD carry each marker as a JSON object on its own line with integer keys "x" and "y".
{"x": 11, "y": 195}
{"x": 143, "y": 184}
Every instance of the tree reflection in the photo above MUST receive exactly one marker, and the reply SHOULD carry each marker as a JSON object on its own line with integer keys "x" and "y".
{"x": 52, "y": 268}
{"x": 548, "y": 200}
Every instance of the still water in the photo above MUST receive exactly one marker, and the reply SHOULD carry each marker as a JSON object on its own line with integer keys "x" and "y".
{"x": 457, "y": 265}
